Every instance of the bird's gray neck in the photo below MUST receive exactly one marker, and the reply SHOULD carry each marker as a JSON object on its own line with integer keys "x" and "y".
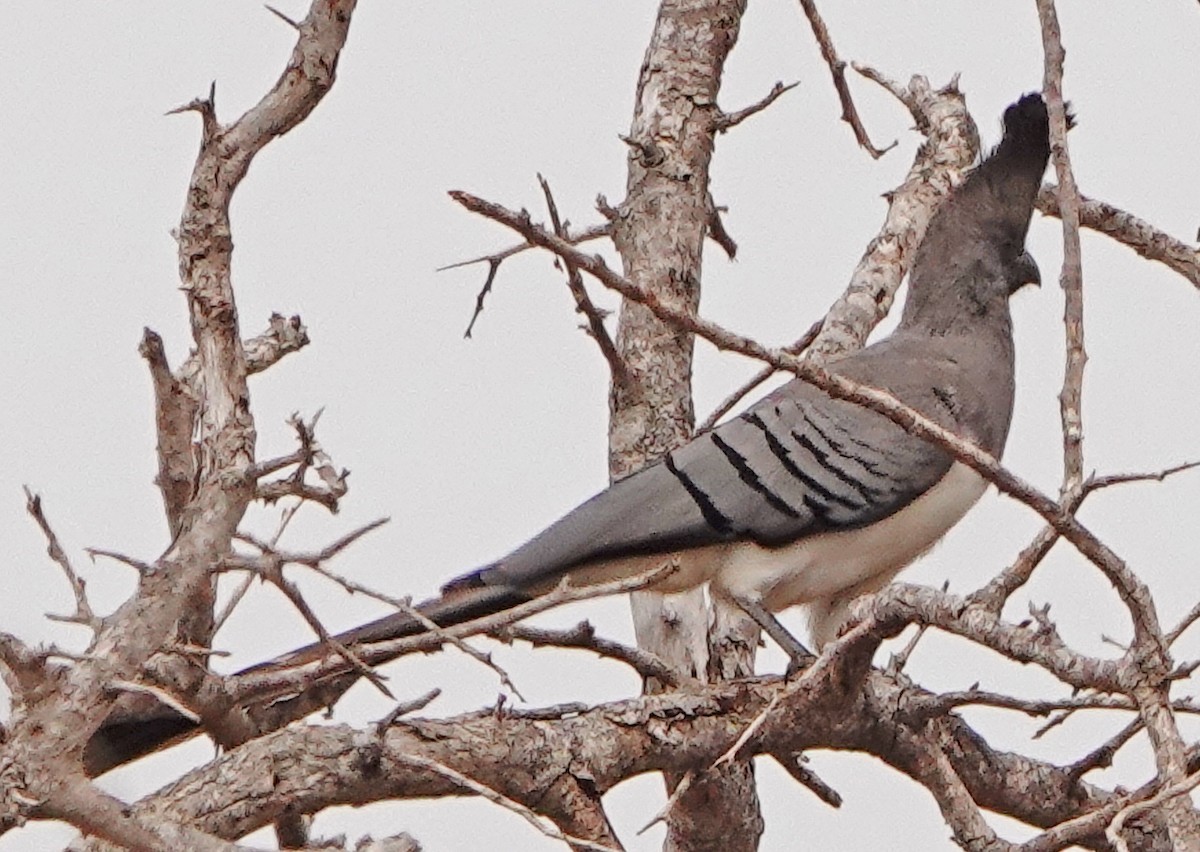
{"x": 941, "y": 309}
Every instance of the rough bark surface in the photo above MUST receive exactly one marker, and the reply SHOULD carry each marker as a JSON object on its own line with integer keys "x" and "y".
{"x": 660, "y": 230}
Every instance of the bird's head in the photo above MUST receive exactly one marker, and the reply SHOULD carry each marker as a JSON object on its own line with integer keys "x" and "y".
{"x": 973, "y": 255}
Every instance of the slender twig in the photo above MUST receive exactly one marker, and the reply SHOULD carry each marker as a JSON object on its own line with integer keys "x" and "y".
{"x": 758, "y": 378}
{"x": 495, "y": 259}
{"x": 283, "y": 17}
{"x": 1035, "y": 707}
{"x": 1096, "y": 483}
{"x": 461, "y": 644}
{"x": 1103, "y": 755}
{"x": 682, "y": 787}
{"x": 403, "y": 708}
{"x": 838, "y": 69}
{"x": 1184, "y": 623}
{"x": 493, "y": 268}
{"x": 1001, "y": 587}
{"x": 796, "y": 766}
{"x": 583, "y": 302}
{"x": 293, "y": 594}
{"x": 83, "y": 611}
{"x": 749, "y": 731}
{"x": 727, "y": 120}
{"x": 231, "y": 604}
{"x": 498, "y": 798}
{"x": 717, "y": 232}
{"x": 136, "y": 564}
{"x": 311, "y": 559}
{"x": 583, "y": 635}
{"x": 593, "y": 232}
{"x": 900, "y": 659}
{"x": 996, "y": 592}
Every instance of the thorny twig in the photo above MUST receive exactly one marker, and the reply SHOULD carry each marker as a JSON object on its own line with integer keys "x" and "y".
{"x": 583, "y": 302}
{"x": 1149, "y": 648}
{"x": 796, "y": 766}
{"x": 292, "y": 593}
{"x": 1102, "y": 756}
{"x": 309, "y": 454}
{"x": 460, "y": 643}
{"x": 1001, "y": 587}
{"x": 496, "y": 258}
{"x": 136, "y": 564}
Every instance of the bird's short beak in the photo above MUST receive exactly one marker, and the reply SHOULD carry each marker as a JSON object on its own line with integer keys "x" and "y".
{"x": 1025, "y": 271}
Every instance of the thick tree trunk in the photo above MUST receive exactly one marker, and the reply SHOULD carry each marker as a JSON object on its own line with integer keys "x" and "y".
{"x": 660, "y": 231}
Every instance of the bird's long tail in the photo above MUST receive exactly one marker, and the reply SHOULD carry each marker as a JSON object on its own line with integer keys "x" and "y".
{"x": 462, "y": 601}
{"x": 128, "y": 736}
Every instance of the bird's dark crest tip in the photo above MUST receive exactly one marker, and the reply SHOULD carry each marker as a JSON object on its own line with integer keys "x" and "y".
{"x": 1027, "y": 117}
{"x": 1030, "y": 115}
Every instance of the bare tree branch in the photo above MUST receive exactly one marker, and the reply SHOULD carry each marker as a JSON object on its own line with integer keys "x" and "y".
{"x": 606, "y": 744}
{"x": 1071, "y": 279}
{"x": 583, "y": 635}
{"x": 1129, "y": 230}
{"x": 837, "y": 68}
{"x": 728, "y": 403}
{"x": 1152, "y": 688}
{"x": 48, "y": 738}
{"x": 583, "y": 302}
{"x": 728, "y": 120}
{"x": 83, "y": 611}
{"x": 503, "y": 801}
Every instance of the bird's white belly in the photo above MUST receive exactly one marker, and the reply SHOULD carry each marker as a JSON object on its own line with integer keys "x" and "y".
{"x": 824, "y": 566}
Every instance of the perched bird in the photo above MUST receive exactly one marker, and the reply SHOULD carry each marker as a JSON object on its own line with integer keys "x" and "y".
{"x": 801, "y": 499}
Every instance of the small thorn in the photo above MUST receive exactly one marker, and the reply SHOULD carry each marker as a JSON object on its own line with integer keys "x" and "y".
{"x": 282, "y": 17}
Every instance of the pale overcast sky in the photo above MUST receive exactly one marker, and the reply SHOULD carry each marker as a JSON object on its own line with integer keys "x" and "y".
{"x": 471, "y": 446}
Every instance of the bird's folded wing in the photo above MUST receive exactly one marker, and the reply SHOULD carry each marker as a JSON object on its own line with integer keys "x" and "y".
{"x": 795, "y": 464}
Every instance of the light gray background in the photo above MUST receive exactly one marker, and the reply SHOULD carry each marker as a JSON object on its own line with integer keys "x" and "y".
{"x": 471, "y": 446}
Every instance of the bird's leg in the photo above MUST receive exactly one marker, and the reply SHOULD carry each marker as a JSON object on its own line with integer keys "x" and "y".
{"x": 799, "y": 657}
